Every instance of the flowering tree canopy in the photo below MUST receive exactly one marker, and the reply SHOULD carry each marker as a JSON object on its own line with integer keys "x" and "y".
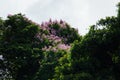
{"x": 54, "y": 50}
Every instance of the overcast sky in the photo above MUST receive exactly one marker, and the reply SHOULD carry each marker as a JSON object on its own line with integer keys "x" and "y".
{"x": 78, "y": 13}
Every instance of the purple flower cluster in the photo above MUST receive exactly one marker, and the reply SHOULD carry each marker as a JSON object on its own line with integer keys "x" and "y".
{"x": 63, "y": 46}
{"x": 52, "y": 35}
{"x": 49, "y": 34}
{"x": 10, "y": 15}
{"x": 46, "y": 25}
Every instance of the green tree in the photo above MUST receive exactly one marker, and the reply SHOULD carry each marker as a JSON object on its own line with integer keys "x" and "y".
{"x": 96, "y": 56}
{"x": 21, "y": 58}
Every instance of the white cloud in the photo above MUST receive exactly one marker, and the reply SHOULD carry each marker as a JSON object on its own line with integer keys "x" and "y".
{"x": 14, "y": 6}
{"x": 78, "y": 13}
{"x": 72, "y": 11}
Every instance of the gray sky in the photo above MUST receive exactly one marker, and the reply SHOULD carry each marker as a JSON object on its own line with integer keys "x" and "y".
{"x": 78, "y": 13}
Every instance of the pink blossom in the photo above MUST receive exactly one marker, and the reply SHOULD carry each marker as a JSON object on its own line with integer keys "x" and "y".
{"x": 63, "y": 46}
{"x": 10, "y": 15}
{"x": 52, "y": 36}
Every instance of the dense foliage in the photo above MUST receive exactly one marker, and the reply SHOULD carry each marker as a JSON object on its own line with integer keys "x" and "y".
{"x": 55, "y": 51}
